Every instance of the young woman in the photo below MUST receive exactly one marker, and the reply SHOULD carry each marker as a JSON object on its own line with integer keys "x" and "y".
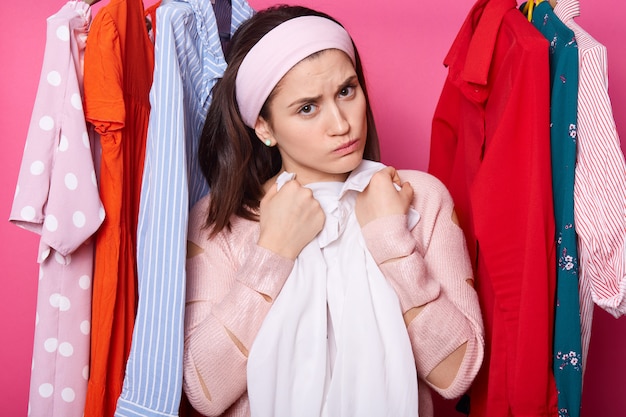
{"x": 320, "y": 282}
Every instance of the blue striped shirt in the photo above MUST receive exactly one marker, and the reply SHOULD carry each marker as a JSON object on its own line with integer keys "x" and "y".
{"x": 188, "y": 62}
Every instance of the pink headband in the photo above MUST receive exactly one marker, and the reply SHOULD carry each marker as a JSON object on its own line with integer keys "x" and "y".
{"x": 279, "y": 51}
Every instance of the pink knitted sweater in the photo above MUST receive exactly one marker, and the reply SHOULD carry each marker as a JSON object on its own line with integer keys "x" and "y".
{"x": 227, "y": 279}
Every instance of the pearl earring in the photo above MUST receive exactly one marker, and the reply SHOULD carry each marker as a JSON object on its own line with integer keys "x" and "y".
{"x": 268, "y": 142}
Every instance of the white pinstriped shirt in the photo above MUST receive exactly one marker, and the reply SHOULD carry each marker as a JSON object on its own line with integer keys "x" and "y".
{"x": 188, "y": 61}
{"x": 600, "y": 184}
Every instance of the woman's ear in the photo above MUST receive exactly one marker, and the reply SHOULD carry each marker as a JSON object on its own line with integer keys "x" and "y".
{"x": 263, "y": 131}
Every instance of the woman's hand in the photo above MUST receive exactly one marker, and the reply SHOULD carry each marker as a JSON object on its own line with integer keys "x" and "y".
{"x": 382, "y": 198}
{"x": 289, "y": 219}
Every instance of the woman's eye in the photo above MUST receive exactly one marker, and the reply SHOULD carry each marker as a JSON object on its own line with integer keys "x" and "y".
{"x": 346, "y": 91}
{"x": 307, "y": 109}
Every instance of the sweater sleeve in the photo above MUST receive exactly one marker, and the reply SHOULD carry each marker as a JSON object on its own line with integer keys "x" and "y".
{"x": 224, "y": 297}
{"x": 429, "y": 266}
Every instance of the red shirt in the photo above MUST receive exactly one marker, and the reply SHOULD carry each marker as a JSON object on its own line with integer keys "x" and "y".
{"x": 490, "y": 146}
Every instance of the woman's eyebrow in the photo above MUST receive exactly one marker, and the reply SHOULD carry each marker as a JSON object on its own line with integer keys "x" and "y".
{"x": 305, "y": 100}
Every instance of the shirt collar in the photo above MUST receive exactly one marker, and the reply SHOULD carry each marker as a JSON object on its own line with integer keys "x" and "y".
{"x": 338, "y": 204}
{"x": 213, "y": 62}
{"x": 472, "y": 51}
{"x": 358, "y": 179}
{"x": 567, "y": 9}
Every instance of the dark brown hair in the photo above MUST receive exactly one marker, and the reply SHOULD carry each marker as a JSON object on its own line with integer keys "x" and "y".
{"x": 233, "y": 160}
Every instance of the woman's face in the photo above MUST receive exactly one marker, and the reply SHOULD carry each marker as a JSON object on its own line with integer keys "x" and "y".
{"x": 318, "y": 118}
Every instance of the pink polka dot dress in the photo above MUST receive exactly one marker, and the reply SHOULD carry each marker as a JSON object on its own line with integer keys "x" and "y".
{"x": 57, "y": 198}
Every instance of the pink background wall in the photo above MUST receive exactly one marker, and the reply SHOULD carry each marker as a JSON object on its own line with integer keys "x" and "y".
{"x": 403, "y": 44}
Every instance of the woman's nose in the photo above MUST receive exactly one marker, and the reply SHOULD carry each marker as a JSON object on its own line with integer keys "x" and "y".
{"x": 338, "y": 123}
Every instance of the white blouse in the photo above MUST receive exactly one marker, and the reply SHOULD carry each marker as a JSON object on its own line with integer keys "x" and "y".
{"x": 334, "y": 342}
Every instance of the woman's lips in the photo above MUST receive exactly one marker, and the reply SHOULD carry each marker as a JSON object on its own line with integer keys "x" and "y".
{"x": 348, "y": 147}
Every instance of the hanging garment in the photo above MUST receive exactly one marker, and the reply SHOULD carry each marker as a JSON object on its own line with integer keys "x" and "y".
{"x": 188, "y": 61}
{"x": 600, "y": 184}
{"x": 57, "y": 198}
{"x": 490, "y": 145}
{"x": 223, "y": 10}
{"x": 313, "y": 342}
{"x": 226, "y": 279}
{"x": 151, "y": 20}
{"x": 567, "y": 349}
{"x": 119, "y": 62}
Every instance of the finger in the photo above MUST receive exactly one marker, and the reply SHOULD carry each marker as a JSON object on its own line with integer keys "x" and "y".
{"x": 406, "y": 191}
{"x": 291, "y": 184}
{"x": 389, "y": 170}
{"x": 396, "y": 177}
{"x": 393, "y": 174}
{"x": 381, "y": 177}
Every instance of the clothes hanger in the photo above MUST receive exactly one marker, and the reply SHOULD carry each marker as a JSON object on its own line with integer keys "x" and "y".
{"x": 529, "y": 7}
